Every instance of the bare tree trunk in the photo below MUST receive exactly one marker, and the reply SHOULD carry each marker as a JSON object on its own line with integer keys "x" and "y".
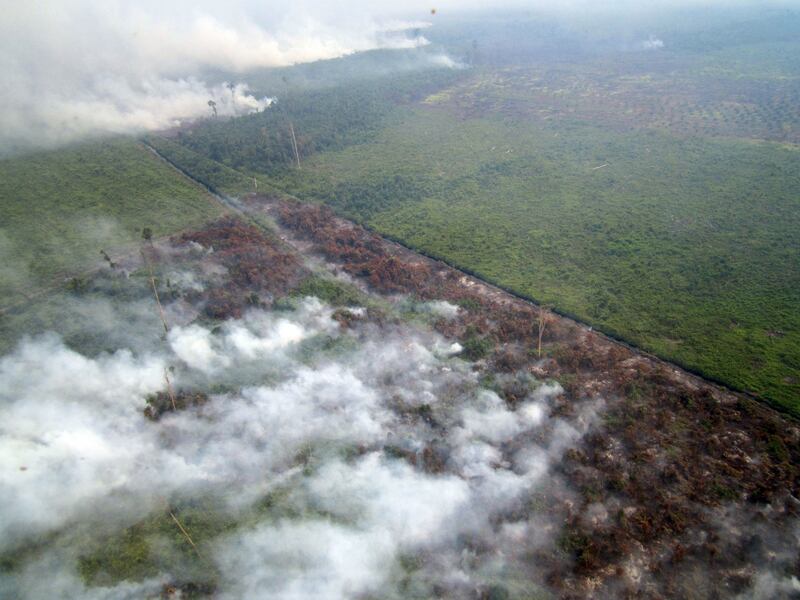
{"x": 155, "y": 291}
{"x": 544, "y": 319}
{"x": 294, "y": 144}
{"x": 184, "y": 532}
{"x": 169, "y": 390}
{"x": 158, "y": 302}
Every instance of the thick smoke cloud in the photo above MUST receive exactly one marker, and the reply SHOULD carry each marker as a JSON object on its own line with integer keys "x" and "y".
{"x": 80, "y": 67}
{"x": 75, "y": 68}
{"x": 82, "y": 455}
{"x": 390, "y": 469}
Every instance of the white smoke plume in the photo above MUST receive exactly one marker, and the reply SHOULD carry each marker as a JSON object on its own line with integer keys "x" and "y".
{"x": 79, "y": 67}
{"x": 652, "y": 43}
{"x": 768, "y": 586}
{"x": 80, "y": 451}
{"x": 72, "y": 68}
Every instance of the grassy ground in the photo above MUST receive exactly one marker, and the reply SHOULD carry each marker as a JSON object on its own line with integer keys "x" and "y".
{"x": 685, "y": 246}
{"x": 59, "y": 208}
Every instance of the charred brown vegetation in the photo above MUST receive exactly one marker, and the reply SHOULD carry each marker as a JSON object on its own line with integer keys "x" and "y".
{"x": 672, "y": 460}
{"x": 258, "y": 268}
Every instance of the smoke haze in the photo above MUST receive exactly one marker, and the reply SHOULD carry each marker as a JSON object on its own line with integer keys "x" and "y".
{"x": 78, "y": 68}
{"x": 82, "y": 452}
{"x": 340, "y": 451}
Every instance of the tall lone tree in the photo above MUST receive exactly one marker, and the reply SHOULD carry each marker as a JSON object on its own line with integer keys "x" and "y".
{"x": 294, "y": 144}
{"x": 232, "y": 88}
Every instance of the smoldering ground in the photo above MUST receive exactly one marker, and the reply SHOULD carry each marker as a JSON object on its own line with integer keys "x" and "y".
{"x": 361, "y": 459}
{"x": 312, "y": 450}
{"x": 344, "y": 461}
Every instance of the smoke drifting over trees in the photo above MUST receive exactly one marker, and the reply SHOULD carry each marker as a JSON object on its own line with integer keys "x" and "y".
{"x": 78, "y": 68}
{"x": 342, "y": 447}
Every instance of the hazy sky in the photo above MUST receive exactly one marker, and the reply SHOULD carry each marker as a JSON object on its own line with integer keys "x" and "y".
{"x": 73, "y": 67}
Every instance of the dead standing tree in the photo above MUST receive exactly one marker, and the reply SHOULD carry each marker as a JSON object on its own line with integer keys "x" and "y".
{"x": 294, "y": 145}
{"x": 185, "y": 533}
{"x": 232, "y": 88}
{"x": 147, "y": 236}
{"x": 169, "y": 390}
{"x": 545, "y": 316}
{"x": 158, "y": 300}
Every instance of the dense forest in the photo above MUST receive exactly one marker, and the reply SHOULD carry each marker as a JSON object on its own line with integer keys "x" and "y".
{"x": 321, "y": 119}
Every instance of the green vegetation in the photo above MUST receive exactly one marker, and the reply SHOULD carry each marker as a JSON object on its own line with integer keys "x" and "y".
{"x": 673, "y": 223}
{"x": 58, "y": 209}
{"x": 156, "y": 544}
{"x": 655, "y": 196}
{"x": 687, "y": 247}
{"x": 475, "y": 346}
{"x": 407, "y": 67}
{"x": 325, "y": 119}
{"x": 335, "y": 293}
{"x": 216, "y": 177}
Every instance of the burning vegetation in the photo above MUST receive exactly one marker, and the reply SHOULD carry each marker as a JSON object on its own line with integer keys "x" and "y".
{"x": 258, "y": 269}
{"x": 329, "y": 414}
{"x": 672, "y": 461}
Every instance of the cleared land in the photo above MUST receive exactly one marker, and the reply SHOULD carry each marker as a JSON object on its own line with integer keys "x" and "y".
{"x": 59, "y": 209}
